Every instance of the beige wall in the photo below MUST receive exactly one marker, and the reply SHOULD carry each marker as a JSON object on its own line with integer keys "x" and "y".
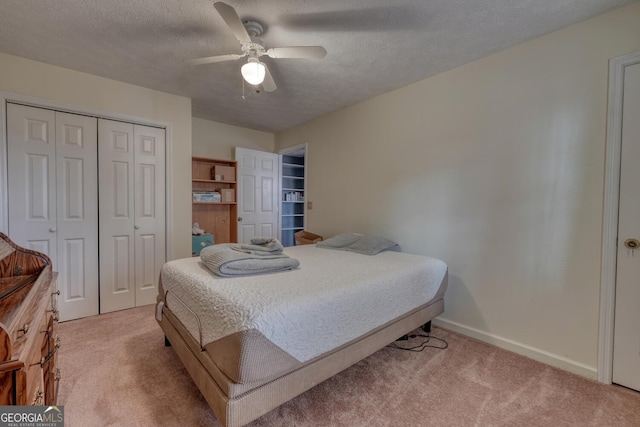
{"x": 81, "y": 90}
{"x": 218, "y": 140}
{"x": 496, "y": 167}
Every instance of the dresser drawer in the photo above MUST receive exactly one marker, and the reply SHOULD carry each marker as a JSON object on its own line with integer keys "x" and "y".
{"x": 34, "y": 357}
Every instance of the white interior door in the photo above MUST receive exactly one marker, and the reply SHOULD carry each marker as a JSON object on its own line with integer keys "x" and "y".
{"x": 53, "y": 200}
{"x": 31, "y": 150}
{"x": 149, "y": 228}
{"x": 626, "y": 354}
{"x": 258, "y": 189}
{"x": 116, "y": 177}
{"x": 77, "y": 215}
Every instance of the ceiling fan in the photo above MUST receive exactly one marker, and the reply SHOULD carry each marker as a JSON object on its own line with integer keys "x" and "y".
{"x": 254, "y": 71}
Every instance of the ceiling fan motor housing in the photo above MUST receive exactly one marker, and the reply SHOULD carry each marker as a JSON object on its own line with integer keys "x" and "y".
{"x": 254, "y": 28}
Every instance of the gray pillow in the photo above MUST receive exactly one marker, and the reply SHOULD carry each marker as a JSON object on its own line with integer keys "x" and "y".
{"x": 360, "y": 243}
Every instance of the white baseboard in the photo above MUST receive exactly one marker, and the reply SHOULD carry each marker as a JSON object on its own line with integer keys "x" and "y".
{"x": 519, "y": 348}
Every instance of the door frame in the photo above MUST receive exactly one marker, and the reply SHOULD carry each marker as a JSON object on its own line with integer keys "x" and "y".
{"x": 37, "y": 102}
{"x": 283, "y": 152}
{"x": 613, "y": 149}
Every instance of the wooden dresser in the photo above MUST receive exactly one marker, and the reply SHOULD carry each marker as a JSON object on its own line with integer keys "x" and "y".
{"x": 28, "y": 315}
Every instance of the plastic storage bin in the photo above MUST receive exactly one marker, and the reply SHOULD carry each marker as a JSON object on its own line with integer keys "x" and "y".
{"x": 198, "y": 243}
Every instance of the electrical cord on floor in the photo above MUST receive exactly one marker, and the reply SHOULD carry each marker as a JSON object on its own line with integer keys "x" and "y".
{"x": 419, "y": 347}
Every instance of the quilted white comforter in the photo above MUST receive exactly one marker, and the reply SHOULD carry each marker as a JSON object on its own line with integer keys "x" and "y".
{"x": 333, "y": 298}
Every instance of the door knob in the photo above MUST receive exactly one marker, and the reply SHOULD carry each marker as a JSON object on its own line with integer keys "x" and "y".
{"x": 52, "y": 230}
{"x": 137, "y": 227}
{"x": 632, "y": 243}
{"x": 239, "y": 219}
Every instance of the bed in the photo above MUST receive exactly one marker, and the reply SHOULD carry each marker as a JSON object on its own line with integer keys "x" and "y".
{"x": 252, "y": 343}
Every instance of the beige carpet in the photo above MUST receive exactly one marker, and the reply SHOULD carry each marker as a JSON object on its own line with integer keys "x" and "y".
{"x": 116, "y": 371}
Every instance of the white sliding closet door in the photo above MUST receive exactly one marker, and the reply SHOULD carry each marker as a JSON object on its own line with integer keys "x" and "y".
{"x": 53, "y": 198}
{"x": 132, "y": 213}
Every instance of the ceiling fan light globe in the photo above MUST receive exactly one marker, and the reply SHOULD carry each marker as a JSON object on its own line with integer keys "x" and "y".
{"x": 253, "y": 72}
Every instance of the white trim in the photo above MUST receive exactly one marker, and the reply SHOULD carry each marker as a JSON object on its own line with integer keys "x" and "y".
{"x": 293, "y": 148}
{"x": 76, "y": 109}
{"x": 4, "y": 178}
{"x": 280, "y": 207}
{"x": 168, "y": 194}
{"x": 519, "y": 348}
{"x": 87, "y": 111}
{"x": 610, "y": 214}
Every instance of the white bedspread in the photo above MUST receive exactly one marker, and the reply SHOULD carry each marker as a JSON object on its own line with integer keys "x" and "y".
{"x": 333, "y": 298}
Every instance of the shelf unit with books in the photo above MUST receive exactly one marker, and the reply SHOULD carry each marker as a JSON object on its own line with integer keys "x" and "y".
{"x": 292, "y": 218}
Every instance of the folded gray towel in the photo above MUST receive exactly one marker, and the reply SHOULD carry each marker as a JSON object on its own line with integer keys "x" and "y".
{"x": 224, "y": 260}
{"x": 260, "y": 246}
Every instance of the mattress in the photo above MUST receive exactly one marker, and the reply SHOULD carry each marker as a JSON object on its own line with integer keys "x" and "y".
{"x": 294, "y": 317}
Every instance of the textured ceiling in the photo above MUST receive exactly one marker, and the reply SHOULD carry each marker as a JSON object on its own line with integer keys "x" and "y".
{"x": 373, "y": 46}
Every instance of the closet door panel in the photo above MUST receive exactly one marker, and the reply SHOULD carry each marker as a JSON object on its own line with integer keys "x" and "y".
{"x": 31, "y": 150}
{"x": 121, "y": 265}
{"x": 116, "y": 178}
{"x": 149, "y": 160}
{"x": 77, "y": 214}
{"x": 146, "y": 256}
{"x": 44, "y": 246}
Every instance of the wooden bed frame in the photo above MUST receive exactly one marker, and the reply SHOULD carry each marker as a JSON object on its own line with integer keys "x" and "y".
{"x": 240, "y": 410}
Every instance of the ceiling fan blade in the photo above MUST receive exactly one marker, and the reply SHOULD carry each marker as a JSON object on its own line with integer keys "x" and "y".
{"x": 212, "y": 59}
{"x": 268, "y": 84}
{"x": 230, "y": 16}
{"x": 302, "y": 52}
